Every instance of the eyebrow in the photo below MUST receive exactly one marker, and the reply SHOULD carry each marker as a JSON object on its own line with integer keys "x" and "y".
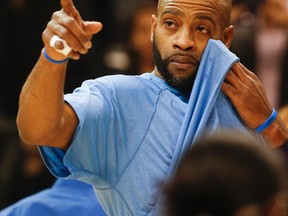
{"x": 205, "y": 17}
{"x": 179, "y": 13}
{"x": 171, "y": 11}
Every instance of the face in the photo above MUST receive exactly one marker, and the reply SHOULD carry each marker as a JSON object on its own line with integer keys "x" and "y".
{"x": 180, "y": 34}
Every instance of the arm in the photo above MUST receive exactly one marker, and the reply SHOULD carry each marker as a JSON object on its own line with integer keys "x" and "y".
{"x": 43, "y": 116}
{"x": 248, "y": 96}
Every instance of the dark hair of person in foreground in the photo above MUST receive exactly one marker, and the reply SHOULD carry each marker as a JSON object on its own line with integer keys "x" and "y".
{"x": 228, "y": 175}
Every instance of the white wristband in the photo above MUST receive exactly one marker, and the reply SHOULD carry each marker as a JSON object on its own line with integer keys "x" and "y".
{"x": 66, "y": 50}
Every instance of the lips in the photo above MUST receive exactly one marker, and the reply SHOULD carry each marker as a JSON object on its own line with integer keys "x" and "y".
{"x": 179, "y": 59}
{"x": 182, "y": 62}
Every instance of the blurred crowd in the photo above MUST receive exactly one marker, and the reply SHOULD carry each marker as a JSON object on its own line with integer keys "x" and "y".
{"x": 123, "y": 46}
{"x": 261, "y": 42}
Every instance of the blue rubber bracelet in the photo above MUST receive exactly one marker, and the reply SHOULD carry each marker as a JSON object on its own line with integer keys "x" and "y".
{"x": 268, "y": 122}
{"x": 52, "y": 60}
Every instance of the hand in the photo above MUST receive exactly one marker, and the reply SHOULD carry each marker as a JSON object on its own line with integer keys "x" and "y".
{"x": 68, "y": 25}
{"x": 249, "y": 98}
{"x": 247, "y": 94}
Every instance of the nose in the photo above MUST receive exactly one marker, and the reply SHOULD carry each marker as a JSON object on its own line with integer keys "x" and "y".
{"x": 184, "y": 41}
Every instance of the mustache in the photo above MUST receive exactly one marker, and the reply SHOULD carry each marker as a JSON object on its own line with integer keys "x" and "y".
{"x": 182, "y": 57}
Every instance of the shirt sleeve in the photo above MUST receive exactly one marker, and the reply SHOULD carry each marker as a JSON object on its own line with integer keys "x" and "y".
{"x": 103, "y": 144}
{"x": 95, "y": 111}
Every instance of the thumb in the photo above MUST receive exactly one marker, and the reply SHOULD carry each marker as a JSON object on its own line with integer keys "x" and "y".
{"x": 91, "y": 27}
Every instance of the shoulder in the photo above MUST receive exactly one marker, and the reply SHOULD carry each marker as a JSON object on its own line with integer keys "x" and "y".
{"x": 125, "y": 83}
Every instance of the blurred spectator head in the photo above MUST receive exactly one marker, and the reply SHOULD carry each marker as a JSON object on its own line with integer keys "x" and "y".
{"x": 229, "y": 175}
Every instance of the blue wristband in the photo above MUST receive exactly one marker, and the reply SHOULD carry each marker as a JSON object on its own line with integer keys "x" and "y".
{"x": 52, "y": 60}
{"x": 268, "y": 122}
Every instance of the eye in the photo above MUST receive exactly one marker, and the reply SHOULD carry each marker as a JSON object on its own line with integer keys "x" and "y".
{"x": 169, "y": 24}
{"x": 203, "y": 29}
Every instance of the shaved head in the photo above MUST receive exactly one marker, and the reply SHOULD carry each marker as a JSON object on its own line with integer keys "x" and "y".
{"x": 225, "y": 7}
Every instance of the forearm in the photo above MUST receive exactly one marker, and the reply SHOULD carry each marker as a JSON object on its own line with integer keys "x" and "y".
{"x": 41, "y": 102}
{"x": 43, "y": 117}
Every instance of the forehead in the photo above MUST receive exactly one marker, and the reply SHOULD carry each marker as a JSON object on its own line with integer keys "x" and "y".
{"x": 209, "y": 5}
{"x": 218, "y": 9}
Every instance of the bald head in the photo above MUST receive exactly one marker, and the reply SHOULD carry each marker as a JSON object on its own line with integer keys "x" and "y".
{"x": 224, "y": 6}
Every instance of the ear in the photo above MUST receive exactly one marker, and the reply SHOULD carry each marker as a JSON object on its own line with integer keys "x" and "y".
{"x": 153, "y": 26}
{"x": 227, "y": 35}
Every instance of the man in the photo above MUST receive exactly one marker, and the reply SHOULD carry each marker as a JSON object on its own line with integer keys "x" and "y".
{"x": 228, "y": 174}
{"x": 125, "y": 134}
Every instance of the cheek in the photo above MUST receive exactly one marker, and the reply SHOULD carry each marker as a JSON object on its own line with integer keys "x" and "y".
{"x": 200, "y": 43}
{"x": 201, "y": 38}
{"x": 163, "y": 44}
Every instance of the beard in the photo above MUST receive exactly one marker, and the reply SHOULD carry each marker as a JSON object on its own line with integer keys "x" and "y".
{"x": 184, "y": 84}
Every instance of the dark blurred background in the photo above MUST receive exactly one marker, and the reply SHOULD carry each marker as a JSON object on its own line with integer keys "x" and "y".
{"x": 123, "y": 46}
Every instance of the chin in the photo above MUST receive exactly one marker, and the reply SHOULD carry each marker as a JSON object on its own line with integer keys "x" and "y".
{"x": 181, "y": 73}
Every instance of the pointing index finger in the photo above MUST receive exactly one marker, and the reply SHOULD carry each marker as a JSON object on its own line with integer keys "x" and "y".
{"x": 71, "y": 10}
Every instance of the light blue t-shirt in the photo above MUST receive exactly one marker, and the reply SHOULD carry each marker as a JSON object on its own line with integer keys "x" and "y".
{"x": 134, "y": 129}
{"x": 123, "y": 145}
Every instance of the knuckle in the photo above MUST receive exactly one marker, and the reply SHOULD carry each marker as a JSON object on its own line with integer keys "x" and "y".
{"x": 63, "y": 33}
{"x": 49, "y": 24}
{"x": 44, "y": 37}
{"x": 68, "y": 21}
{"x": 253, "y": 75}
{"x": 56, "y": 15}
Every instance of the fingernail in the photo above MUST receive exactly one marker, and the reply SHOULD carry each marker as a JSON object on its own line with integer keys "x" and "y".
{"x": 83, "y": 51}
{"x": 88, "y": 45}
{"x": 76, "y": 56}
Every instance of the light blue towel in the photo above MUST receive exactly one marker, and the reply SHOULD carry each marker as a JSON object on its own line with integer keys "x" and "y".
{"x": 209, "y": 110}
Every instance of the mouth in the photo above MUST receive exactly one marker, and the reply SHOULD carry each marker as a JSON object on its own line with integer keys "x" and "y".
{"x": 183, "y": 62}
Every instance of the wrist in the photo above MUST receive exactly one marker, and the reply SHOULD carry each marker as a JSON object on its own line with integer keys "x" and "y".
{"x": 267, "y": 122}
{"x": 276, "y": 133}
{"x": 48, "y": 58}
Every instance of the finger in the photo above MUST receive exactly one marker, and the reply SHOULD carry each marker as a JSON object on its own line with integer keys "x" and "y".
{"x": 92, "y": 27}
{"x": 246, "y": 76}
{"x": 69, "y": 30}
{"x": 46, "y": 36}
{"x": 239, "y": 71}
{"x": 72, "y": 40}
{"x": 234, "y": 80}
{"x": 71, "y": 10}
{"x": 73, "y": 54}
{"x": 228, "y": 89}
{"x": 247, "y": 71}
{"x": 254, "y": 81}
{"x": 60, "y": 45}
